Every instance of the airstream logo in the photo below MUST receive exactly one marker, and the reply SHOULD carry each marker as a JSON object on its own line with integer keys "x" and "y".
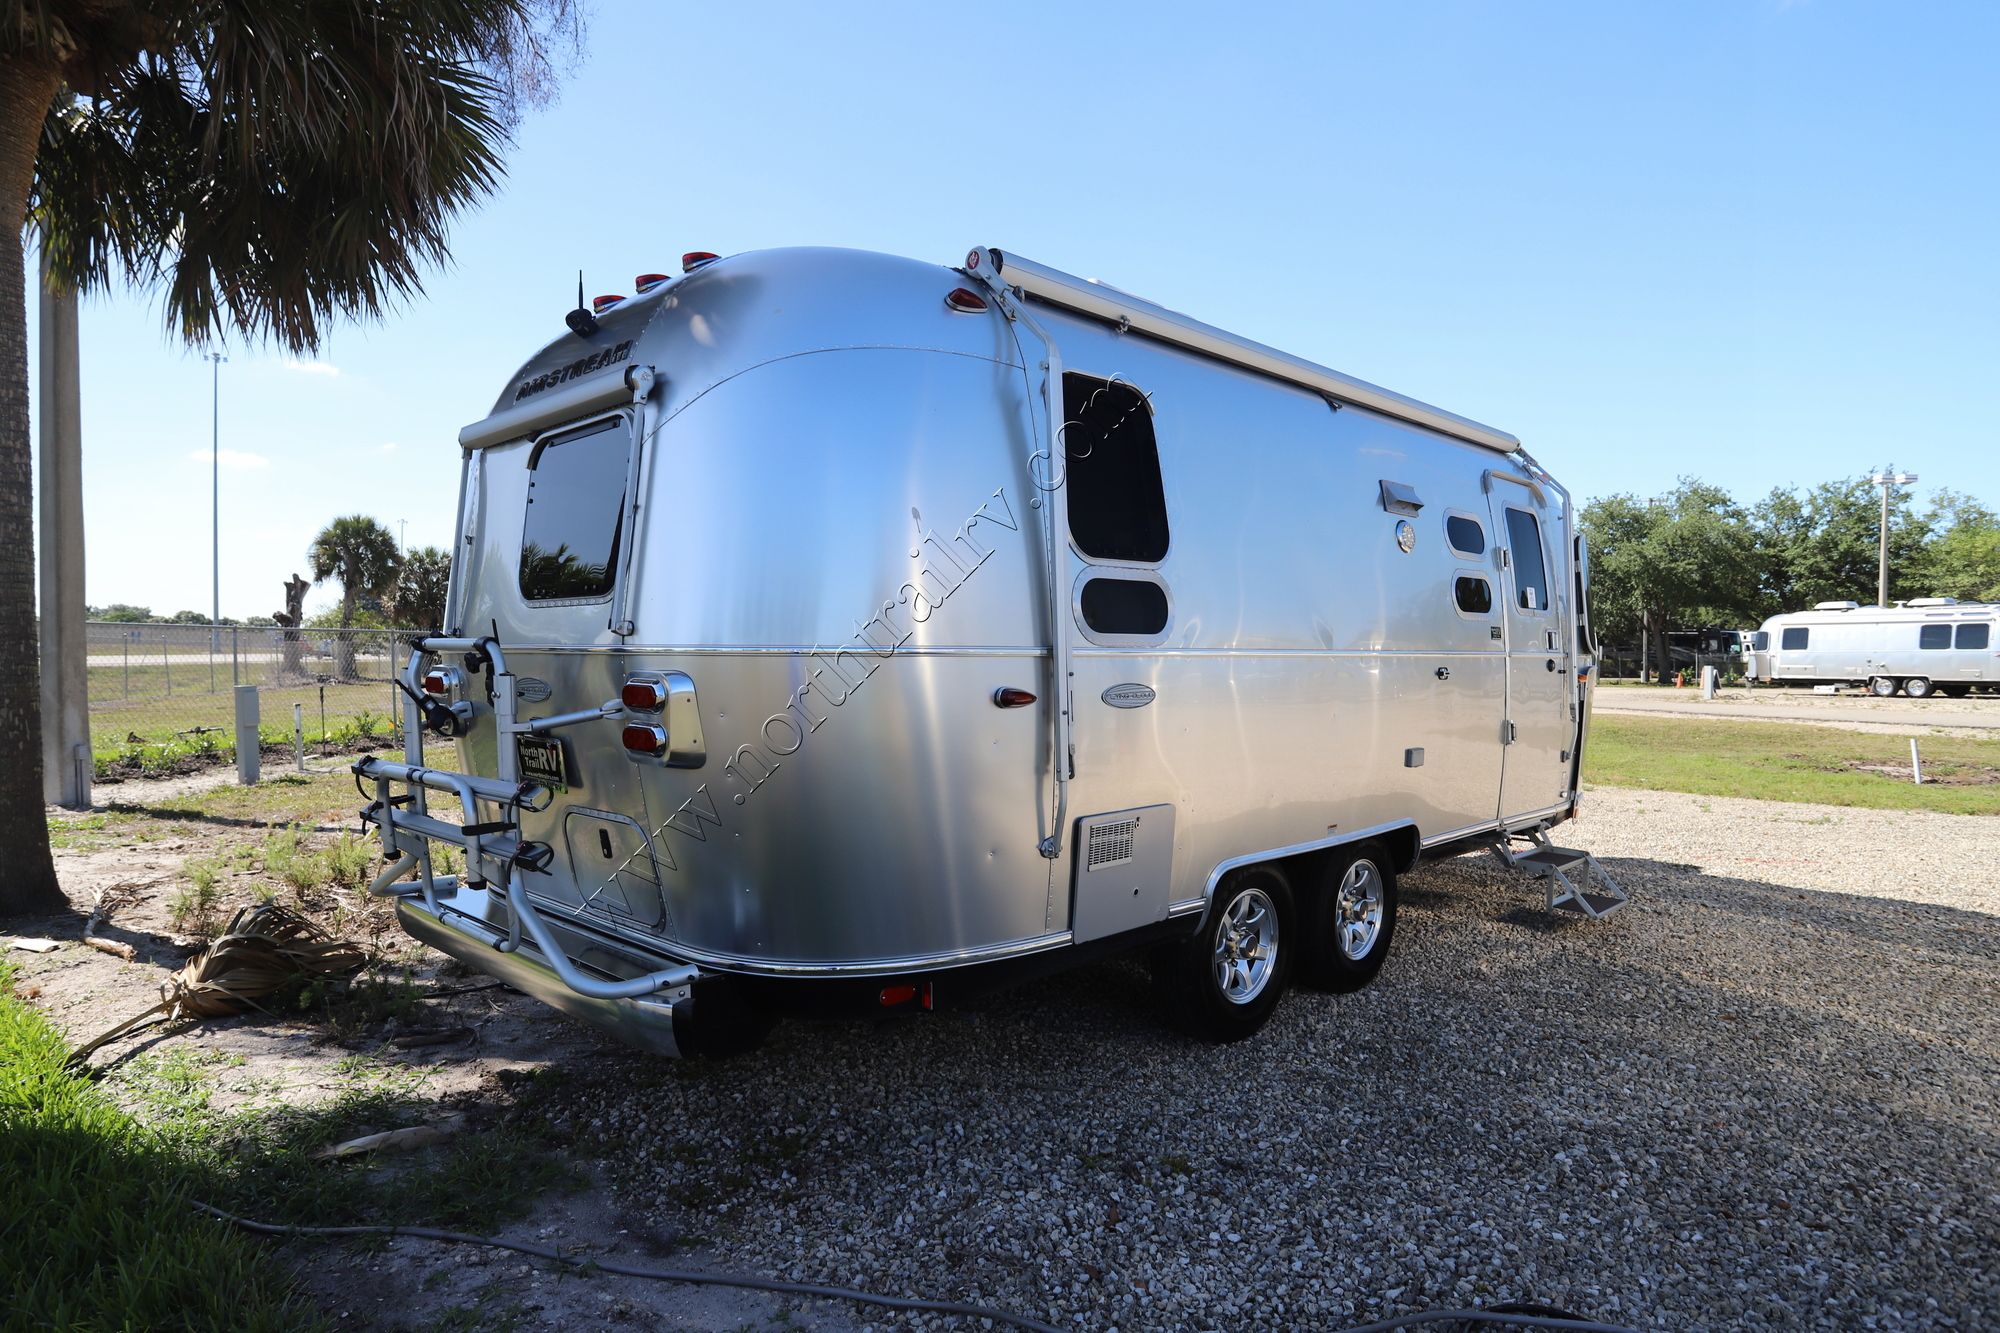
{"x": 531, "y": 689}
{"x": 583, "y": 366}
{"x": 1128, "y": 696}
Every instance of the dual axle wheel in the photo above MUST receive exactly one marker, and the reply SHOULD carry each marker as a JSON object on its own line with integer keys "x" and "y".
{"x": 1224, "y": 982}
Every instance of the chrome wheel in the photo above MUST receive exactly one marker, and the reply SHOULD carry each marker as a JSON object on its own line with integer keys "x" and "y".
{"x": 1357, "y": 909}
{"x": 1246, "y": 946}
{"x": 1882, "y": 687}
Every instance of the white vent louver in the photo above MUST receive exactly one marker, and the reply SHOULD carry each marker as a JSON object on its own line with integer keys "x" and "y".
{"x": 1110, "y": 844}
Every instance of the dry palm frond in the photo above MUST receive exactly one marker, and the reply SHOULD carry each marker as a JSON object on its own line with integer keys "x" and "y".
{"x": 265, "y": 947}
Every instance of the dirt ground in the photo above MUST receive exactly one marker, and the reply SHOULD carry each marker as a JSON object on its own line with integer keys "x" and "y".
{"x": 287, "y": 1059}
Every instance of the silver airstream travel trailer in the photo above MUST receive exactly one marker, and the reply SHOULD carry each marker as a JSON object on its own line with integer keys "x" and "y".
{"x": 1926, "y": 646}
{"x": 829, "y": 629}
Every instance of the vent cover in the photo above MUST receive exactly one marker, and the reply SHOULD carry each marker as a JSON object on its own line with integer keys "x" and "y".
{"x": 1110, "y": 844}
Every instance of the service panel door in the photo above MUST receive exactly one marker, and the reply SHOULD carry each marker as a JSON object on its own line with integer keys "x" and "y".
{"x": 1540, "y": 727}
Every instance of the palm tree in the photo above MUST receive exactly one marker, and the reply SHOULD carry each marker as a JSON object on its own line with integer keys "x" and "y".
{"x": 418, "y": 601}
{"x": 270, "y": 168}
{"x": 361, "y": 553}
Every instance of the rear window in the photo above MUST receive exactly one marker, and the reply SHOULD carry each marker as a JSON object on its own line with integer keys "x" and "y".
{"x": 576, "y": 510}
{"x": 1795, "y": 638}
{"x": 1934, "y": 636}
{"x": 1973, "y": 636}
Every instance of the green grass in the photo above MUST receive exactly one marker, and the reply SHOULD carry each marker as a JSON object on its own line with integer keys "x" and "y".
{"x": 98, "y": 1229}
{"x": 1782, "y": 761}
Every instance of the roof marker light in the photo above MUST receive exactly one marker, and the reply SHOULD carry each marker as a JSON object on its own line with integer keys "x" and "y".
{"x": 645, "y": 282}
{"x": 965, "y": 300}
{"x": 695, "y": 259}
{"x": 600, "y": 304}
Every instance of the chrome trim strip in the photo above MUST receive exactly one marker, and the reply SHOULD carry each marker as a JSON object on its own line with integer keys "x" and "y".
{"x": 1333, "y": 839}
{"x": 677, "y": 951}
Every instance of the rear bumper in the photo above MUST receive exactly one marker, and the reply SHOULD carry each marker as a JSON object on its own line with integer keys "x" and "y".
{"x": 463, "y": 926}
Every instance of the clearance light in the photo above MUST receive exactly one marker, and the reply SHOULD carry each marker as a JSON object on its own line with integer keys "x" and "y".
{"x": 600, "y": 304}
{"x": 1011, "y": 697}
{"x": 643, "y": 696}
{"x": 645, "y": 282}
{"x": 695, "y": 259}
{"x": 965, "y": 300}
{"x": 645, "y": 738}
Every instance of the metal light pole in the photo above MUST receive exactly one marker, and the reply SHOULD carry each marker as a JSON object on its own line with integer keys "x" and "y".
{"x": 1885, "y": 480}
{"x": 215, "y": 500}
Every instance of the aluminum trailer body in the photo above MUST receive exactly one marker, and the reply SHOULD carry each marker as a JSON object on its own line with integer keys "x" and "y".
{"x": 1933, "y": 645}
{"x": 966, "y": 617}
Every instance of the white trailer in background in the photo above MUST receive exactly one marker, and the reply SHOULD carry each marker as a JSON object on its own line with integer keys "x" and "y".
{"x": 1927, "y": 646}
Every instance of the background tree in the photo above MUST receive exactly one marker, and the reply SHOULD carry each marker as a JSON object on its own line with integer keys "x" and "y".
{"x": 1824, "y": 545}
{"x": 1963, "y": 557}
{"x": 1684, "y": 559}
{"x": 361, "y": 554}
{"x": 269, "y": 167}
{"x": 418, "y": 601}
{"x": 124, "y": 614}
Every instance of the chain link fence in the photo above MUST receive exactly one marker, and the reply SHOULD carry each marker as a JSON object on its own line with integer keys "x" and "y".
{"x": 162, "y": 697}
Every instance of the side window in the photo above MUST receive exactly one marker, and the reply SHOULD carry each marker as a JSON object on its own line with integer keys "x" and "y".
{"x": 1473, "y": 594}
{"x": 1531, "y": 571}
{"x": 1974, "y": 636}
{"x": 1795, "y": 638}
{"x": 1115, "y": 606}
{"x": 576, "y": 510}
{"x": 1934, "y": 636}
{"x": 1117, "y": 505}
{"x": 1464, "y": 535}
{"x": 1760, "y": 642}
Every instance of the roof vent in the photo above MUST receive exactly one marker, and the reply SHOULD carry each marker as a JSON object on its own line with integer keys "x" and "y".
{"x": 1933, "y": 601}
{"x": 1836, "y": 606}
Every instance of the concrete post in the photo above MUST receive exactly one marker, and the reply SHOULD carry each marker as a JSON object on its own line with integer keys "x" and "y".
{"x": 65, "y": 641}
{"x": 248, "y": 745}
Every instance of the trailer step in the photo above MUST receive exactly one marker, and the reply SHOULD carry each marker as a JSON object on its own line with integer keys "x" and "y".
{"x": 1577, "y": 884}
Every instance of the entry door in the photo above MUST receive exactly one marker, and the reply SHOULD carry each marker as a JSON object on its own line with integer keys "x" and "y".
{"x": 1539, "y": 729}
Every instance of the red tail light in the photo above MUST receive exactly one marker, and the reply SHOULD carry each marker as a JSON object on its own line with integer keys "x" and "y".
{"x": 1011, "y": 697}
{"x": 440, "y": 680}
{"x": 694, "y": 259}
{"x": 965, "y": 299}
{"x": 645, "y": 282}
{"x": 645, "y": 738}
{"x": 600, "y": 304}
{"x": 895, "y": 995}
{"x": 643, "y": 696}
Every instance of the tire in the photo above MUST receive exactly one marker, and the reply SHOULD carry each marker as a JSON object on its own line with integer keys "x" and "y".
{"x": 1917, "y": 687}
{"x": 1350, "y": 920}
{"x": 1208, "y": 985}
{"x": 1882, "y": 687}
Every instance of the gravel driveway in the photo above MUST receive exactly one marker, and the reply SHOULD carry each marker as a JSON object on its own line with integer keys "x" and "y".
{"x": 1763, "y": 1096}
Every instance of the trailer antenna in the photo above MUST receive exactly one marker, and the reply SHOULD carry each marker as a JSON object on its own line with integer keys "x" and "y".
{"x": 581, "y": 322}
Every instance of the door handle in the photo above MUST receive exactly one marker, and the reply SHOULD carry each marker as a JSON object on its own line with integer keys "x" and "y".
{"x": 1444, "y": 673}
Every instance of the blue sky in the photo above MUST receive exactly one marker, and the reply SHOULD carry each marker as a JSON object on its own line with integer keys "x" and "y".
{"x": 1748, "y": 241}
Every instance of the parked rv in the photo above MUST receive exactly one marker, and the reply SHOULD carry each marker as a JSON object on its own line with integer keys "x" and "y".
{"x": 1930, "y": 645}
{"x": 833, "y": 630}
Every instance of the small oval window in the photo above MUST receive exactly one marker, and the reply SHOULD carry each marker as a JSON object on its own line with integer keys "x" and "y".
{"x": 1473, "y": 594}
{"x": 1464, "y": 534}
{"x": 1125, "y": 606}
